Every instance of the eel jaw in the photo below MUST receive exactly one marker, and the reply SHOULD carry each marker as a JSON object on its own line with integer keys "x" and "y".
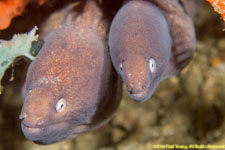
{"x": 140, "y": 96}
{"x": 143, "y": 95}
{"x": 49, "y": 134}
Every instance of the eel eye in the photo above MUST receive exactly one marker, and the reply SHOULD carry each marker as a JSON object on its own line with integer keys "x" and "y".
{"x": 121, "y": 66}
{"x": 152, "y": 65}
{"x": 60, "y": 105}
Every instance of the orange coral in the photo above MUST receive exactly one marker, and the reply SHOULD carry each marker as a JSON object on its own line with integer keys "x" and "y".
{"x": 219, "y": 6}
{"x": 11, "y": 8}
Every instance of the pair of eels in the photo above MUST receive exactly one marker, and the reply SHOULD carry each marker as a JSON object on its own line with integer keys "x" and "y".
{"x": 72, "y": 87}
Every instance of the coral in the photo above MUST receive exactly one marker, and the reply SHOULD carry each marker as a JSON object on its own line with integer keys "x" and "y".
{"x": 11, "y": 8}
{"x": 219, "y": 7}
{"x": 19, "y": 45}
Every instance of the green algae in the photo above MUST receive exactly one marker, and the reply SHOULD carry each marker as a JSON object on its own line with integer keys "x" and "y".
{"x": 27, "y": 44}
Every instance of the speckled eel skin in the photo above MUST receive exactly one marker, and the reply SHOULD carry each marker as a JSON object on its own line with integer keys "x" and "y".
{"x": 150, "y": 41}
{"x": 71, "y": 87}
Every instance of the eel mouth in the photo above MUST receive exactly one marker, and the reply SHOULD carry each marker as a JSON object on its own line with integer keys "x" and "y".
{"x": 143, "y": 95}
{"x": 52, "y": 133}
{"x": 140, "y": 96}
{"x": 31, "y": 130}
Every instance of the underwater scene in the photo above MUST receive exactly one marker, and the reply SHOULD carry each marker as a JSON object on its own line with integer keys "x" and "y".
{"x": 112, "y": 74}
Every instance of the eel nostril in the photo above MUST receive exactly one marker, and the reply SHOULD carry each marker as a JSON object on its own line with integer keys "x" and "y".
{"x": 144, "y": 87}
{"x": 129, "y": 89}
{"x": 139, "y": 87}
{"x": 22, "y": 116}
{"x": 131, "y": 92}
{"x": 39, "y": 123}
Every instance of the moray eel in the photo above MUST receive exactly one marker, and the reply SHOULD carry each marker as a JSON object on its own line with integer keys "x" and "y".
{"x": 71, "y": 86}
{"x": 149, "y": 42}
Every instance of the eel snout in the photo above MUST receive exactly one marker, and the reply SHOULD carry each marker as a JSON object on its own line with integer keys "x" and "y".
{"x": 137, "y": 79}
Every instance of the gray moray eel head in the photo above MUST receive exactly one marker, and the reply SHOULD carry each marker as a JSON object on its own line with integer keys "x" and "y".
{"x": 71, "y": 87}
{"x": 140, "y": 47}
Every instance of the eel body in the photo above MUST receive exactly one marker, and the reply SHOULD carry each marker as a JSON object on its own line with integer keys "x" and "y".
{"x": 72, "y": 86}
{"x": 150, "y": 41}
